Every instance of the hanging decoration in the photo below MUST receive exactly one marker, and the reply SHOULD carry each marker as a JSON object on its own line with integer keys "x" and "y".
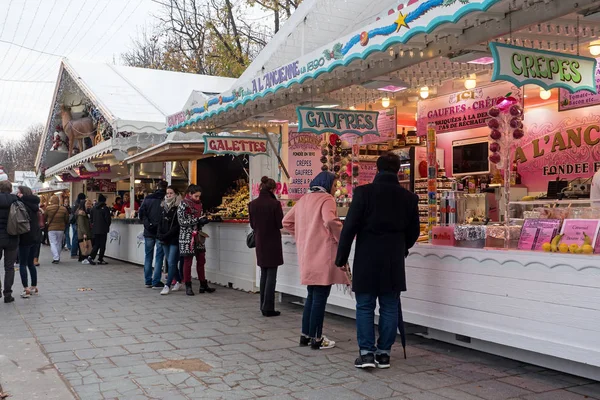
{"x": 506, "y": 125}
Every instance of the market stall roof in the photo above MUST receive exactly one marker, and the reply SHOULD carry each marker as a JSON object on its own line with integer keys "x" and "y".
{"x": 175, "y": 148}
{"x": 132, "y": 100}
{"x": 411, "y": 33}
{"x": 138, "y": 99}
{"x": 314, "y": 24}
{"x": 87, "y": 155}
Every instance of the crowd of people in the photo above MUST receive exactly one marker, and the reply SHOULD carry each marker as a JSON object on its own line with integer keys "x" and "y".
{"x": 384, "y": 220}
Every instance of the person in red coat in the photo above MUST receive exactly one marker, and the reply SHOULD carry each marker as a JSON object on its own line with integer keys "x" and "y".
{"x": 265, "y": 219}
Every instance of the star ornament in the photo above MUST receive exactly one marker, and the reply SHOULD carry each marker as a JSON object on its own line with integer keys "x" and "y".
{"x": 401, "y": 21}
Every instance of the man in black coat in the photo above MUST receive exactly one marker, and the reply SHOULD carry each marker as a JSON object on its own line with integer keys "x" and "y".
{"x": 73, "y": 222}
{"x": 150, "y": 213}
{"x": 100, "y": 220}
{"x": 8, "y": 243}
{"x": 384, "y": 218}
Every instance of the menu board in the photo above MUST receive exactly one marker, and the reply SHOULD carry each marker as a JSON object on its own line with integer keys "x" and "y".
{"x": 536, "y": 232}
{"x": 304, "y": 154}
{"x": 571, "y": 101}
{"x": 366, "y": 172}
{"x": 573, "y": 231}
{"x": 386, "y": 126}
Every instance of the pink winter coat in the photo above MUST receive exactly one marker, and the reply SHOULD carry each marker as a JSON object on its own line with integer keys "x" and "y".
{"x": 314, "y": 223}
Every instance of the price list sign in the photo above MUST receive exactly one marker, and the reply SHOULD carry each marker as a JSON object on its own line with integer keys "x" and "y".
{"x": 304, "y": 153}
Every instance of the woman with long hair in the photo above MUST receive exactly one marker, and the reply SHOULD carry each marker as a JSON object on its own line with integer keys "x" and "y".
{"x": 168, "y": 237}
{"x": 29, "y": 241}
{"x": 192, "y": 239}
{"x": 266, "y": 215}
{"x": 84, "y": 229}
{"x": 313, "y": 221}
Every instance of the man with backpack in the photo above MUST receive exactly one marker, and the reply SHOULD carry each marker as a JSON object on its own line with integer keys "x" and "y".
{"x": 8, "y": 243}
{"x": 151, "y": 213}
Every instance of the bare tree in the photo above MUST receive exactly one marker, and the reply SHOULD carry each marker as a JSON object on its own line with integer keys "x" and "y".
{"x": 282, "y": 9}
{"x": 19, "y": 155}
{"x": 210, "y": 37}
{"x": 147, "y": 49}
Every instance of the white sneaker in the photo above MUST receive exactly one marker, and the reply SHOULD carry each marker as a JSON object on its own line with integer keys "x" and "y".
{"x": 164, "y": 290}
{"x": 26, "y": 294}
{"x": 86, "y": 262}
{"x": 176, "y": 287}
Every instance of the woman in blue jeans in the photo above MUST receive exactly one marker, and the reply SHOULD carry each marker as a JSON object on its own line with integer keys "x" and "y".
{"x": 168, "y": 237}
{"x": 314, "y": 223}
{"x": 29, "y": 241}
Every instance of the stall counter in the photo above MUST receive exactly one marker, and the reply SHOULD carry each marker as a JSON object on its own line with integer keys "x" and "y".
{"x": 229, "y": 262}
{"x": 540, "y": 308}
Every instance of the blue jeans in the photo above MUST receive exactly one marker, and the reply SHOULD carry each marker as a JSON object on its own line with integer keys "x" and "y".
{"x": 365, "y": 322}
{"x": 314, "y": 311}
{"x": 26, "y": 256}
{"x": 171, "y": 252}
{"x": 153, "y": 279}
{"x": 74, "y": 242}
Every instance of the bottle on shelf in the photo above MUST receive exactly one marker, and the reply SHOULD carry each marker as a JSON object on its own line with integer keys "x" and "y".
{"x": 401, "y": 137}
{"x": 412, "y": 139}
{"x": 483, "y": 183}
{"x": 472, "y": 183}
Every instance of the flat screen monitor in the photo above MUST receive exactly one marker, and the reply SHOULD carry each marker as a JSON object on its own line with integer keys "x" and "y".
{"x": 470, "y": 156}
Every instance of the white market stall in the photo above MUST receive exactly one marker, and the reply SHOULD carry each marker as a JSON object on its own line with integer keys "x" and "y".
{"x": 526, "y": 305}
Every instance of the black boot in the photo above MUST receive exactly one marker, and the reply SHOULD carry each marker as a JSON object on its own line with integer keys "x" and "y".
{"x": 205, "y": 288}
{"x": 188, "y": 289}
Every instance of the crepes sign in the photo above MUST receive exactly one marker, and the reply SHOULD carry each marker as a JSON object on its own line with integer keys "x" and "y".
{"x": 234, "y": 145}
{"x": 341, "y": 122}
{"x": 548, "y": 69}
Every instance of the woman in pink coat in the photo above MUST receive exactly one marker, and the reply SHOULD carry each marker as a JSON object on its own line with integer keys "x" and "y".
{"x": 316, "y": 227}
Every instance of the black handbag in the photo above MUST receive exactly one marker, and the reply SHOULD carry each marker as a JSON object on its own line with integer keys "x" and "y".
{"x": 250, "y": 241}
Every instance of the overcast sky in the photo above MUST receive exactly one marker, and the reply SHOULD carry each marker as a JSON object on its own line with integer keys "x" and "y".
{"x": 90, "y": 30}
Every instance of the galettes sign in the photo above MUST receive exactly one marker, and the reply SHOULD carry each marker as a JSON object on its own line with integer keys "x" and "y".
{"x": 234, "y": 145}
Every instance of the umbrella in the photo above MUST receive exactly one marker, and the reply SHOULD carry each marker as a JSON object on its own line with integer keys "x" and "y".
{"x": 401, "y": 328}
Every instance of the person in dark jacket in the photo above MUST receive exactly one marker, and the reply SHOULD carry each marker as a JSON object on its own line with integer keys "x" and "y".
{"x": 150, "y": 214}
{"x": 73, "y": 223}
{"x": 100, "y": 220}
{"x": 384, "y": 218}
{"x": 168, "y": 237}
{"x": 8, "y": 243}
{"x": 28, "y": 241}
{"x": 265, "y": 219}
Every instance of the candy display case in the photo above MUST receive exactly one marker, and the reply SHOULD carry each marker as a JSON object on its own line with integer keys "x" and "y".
{"x": 551, "y": 209}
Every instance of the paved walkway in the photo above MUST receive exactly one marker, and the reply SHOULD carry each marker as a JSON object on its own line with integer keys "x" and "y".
{"x": 120, "y": 340}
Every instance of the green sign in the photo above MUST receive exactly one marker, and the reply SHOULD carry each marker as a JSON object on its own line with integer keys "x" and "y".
{"x": 548, "y": 69}
{"x": 321, "y": 120}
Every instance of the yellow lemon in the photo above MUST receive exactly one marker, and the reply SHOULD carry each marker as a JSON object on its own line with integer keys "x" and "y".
{"x": 587, "y": 249}
{"x": 563, "y": 248}
{"x": 546, "y": 246}
{"x": 573, "y": 248}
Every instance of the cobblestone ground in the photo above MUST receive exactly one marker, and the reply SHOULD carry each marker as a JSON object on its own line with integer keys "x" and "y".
{"x": 120, "y": 340}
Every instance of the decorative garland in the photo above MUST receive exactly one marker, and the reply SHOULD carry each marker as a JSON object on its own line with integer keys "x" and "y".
{"x": 338, "y": 52}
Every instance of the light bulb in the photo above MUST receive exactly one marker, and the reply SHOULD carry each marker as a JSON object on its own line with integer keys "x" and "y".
{"x": 352, "y": 108}
{"x": 424, "y": 92}
{"x": 595, "y": 49}
{"x": 385, "y": 102}
{"x": 471, "y": 83}
{"x": 545, "y": 94}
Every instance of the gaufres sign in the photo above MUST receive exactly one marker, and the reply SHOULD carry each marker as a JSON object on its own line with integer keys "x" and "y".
{"x": 234, "y": 145}
{"x": 321, "y": 120}
{"x": 548, "y": 69}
